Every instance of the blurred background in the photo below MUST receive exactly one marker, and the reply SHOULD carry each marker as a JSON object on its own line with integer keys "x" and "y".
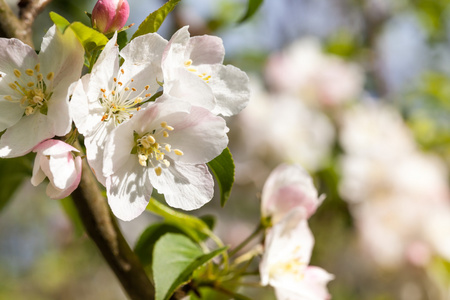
{"x": 356, "y": 91}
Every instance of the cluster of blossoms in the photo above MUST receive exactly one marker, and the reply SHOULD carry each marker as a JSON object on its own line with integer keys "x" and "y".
{"x": 134, "y": 139}
{"x": 396, "y": 193}
{"x": 289, "y": 198}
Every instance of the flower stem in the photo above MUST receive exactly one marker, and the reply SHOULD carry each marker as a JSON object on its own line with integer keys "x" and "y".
{"x": 254, "y": 234}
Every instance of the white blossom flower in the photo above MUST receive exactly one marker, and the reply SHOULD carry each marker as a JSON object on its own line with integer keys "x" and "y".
{"x": 34, "y": 90}
{"x": 55, "y": 160}
{"x": 193, "y": 71}
{"x": 166, "y": 146}
{"x": 288, "y": 187}
{"x": 111, "y": 94}
{"x": 284, "y": 264}
{"x": 303, "y": 70}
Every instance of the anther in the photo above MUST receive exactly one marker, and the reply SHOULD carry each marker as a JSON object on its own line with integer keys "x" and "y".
{"x": 8, "y": 97}
{"x": 30, "y": 84}
{"x": 167, "y": 147}
{"x": 151, "y": 139}
{"x": 17, "y": 73}
{"x": 29, "y": 72}
{"x": 158, "y": 171}
{"x": 122, "y": 71}
{"x": 147, "y": 87}
{"x": 165, "y": 134}
{"x": 188, "y": 62}
{"x": 50, "y": 76}
{"x": 40, "y": 77}
{"x": 37, "y": 67}
{"x": 148, "y": 95}
{"x": 13, "y": 86}
{"x": 178, "y": 152}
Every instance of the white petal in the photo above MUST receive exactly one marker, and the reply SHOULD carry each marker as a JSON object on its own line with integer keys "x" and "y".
{"x": 205, "y": 49}
{"x": 95, "y": 147}
{"x": 16, "y": 55}
{"x": 128, "y": 190}
{"x": 144, "y": 49}
{"x": 63, "y": 172}
{"x": 11, "y": 113}
{"x": 62, "y": 54}
{"x": 25, "y": 135}
{"x": 81, "y": 110}
{"x": 200, "y": 134}
{"x": 187, "y": 86}
{"x": 230, "y": 87}
{"x": 289, "y": 242}
{"x": 184, "y": 186}
{"x": 174, "y": 54}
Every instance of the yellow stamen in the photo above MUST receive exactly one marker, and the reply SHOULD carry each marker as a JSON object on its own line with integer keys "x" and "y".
{"x": 158, "y": 171}
{"x": 50, "y": 76}
{"x": 178, "y": 152}
{"x": 17, "y": 73}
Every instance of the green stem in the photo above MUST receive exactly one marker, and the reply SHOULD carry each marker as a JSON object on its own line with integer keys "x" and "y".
{"x": 247, "y": 240}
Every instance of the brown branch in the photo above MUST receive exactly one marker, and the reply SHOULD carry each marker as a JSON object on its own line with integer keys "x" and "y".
{"x": 29, "y": 10}
{"x": 102, "y": 228}
{"x": 12, "y": 26}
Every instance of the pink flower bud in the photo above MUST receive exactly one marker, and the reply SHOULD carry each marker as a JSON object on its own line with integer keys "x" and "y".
{"x": 55, "y": 160}
{"x": 110, "y": 15}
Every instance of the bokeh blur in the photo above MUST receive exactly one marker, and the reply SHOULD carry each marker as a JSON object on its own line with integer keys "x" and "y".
{"x": 356, "y": 91}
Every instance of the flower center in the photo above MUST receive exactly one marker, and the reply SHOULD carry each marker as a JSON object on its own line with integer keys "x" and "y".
{"x": 151, "y": 149}
{"x": 120, "y": 103}
{"x": 204, "y": 76}
{"x": 30, "y": 90}
{"x": 293, "y": 266}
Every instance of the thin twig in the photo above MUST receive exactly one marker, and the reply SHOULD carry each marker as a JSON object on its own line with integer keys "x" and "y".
{"x": 12, "y": 26}
{"x": 29, "y": 10}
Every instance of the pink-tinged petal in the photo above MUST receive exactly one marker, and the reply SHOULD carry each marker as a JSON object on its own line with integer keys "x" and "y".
{"x": 21, "y": 138}
{"x": 205, "y": 49}
{"x": 188, "y": 87}
{"x": 288, "y": 248}
{"x": 38, "y": 175}
{"x": 62, "y": 170}
{"x": 15, "y": 55}
{"x": 109, "y": 16}
{"x": 230, "y": 87}
{"x": 11, "y": 113}
{"x": 128, "y": 190}
{"x": 288, "y": 187}
{"x": 200, "y": 134}
{"x": 184, "y": 186}
{"x": 54, "y": 147}
{"x": 55, "y": 193}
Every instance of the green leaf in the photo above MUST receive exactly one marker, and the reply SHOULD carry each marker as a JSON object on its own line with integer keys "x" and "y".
{"x": 146, "y": 243}
{"x": 176, "y": 257}
{"x": 122, "y": 39}
{"x": 60, "y": 22}
{"x": 223, "y": 169}
{"x": 209, "y": 220}
{"x": 90, "y": 38}
{"x": 192, "y": 226}
{"x": 252, "y": 8}
{"x": 12, "y": 173}
{"x": 155, "y": 19}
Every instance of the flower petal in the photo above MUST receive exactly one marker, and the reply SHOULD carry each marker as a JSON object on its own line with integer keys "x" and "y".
{"x": 25, "y": 135}
{"x": 184, "y": 186}
{"x": 205, "y": 49}
{"x": 128, "y": 190}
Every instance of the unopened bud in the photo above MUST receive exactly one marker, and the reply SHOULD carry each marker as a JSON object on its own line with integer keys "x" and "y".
{"x": 110, "y": 15}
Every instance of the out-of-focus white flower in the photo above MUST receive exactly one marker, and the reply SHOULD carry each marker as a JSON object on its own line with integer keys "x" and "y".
{"x": 55, "y": 160}
{"x": 286, "y": 129}
{"x": 166, "y": 146}
{"x": 304, "y": 70}
{"x": 110, "y": 15}
{"x": 284, "y": 264}
{"x": 111, "y": 94}
{"x": 193, "y": 72}
{"x": 34, "y": 105}
{"x": 394, "y": 190}
{"x": 376, "y": 130}
{"x": 288, "y": 187}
